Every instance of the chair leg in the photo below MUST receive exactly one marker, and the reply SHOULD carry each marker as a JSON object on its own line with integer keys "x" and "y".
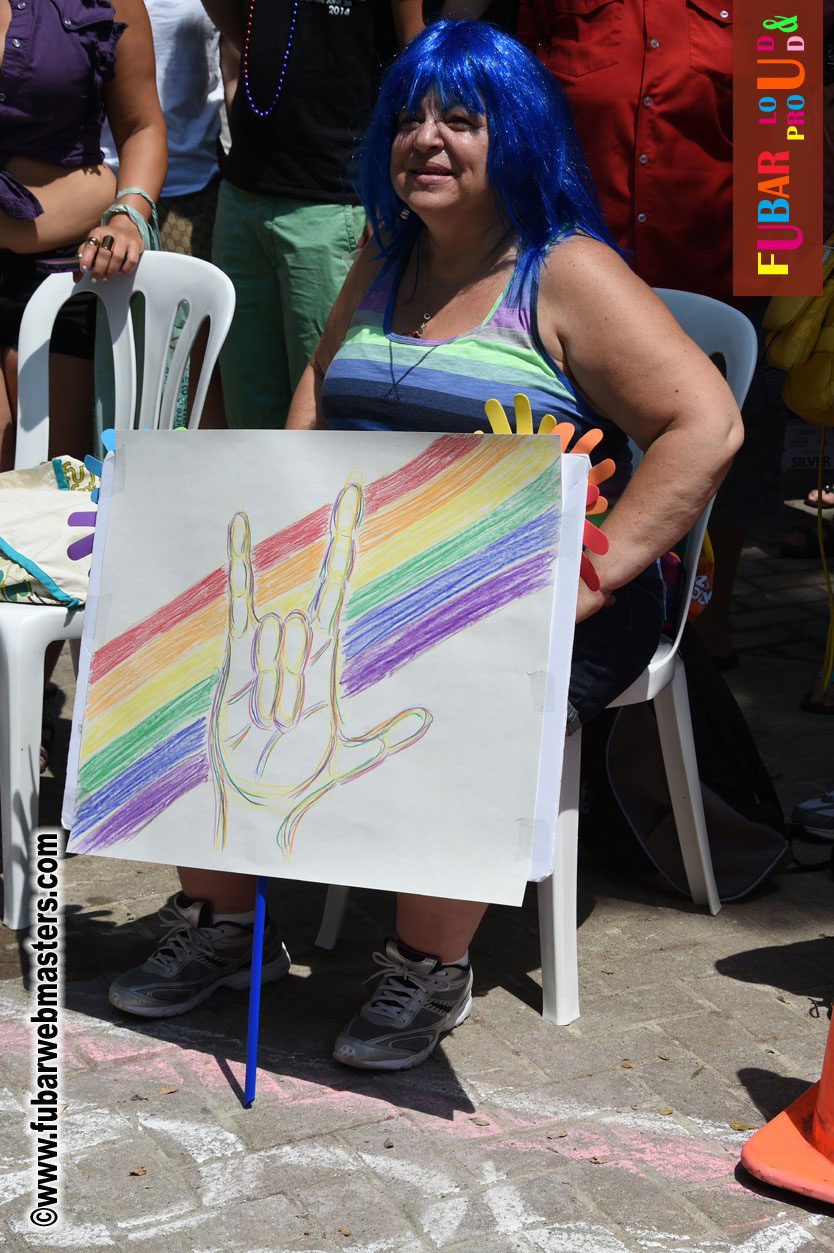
{"x": 557, "y": 901}
{"x": 21, "y": 685}
{"x": 331, "y": 919}
{"x": 674, "y": 724}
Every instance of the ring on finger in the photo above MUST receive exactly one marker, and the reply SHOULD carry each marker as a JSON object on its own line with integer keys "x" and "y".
{"x": 94, "y": 240}
{"x": 107, "y": 243}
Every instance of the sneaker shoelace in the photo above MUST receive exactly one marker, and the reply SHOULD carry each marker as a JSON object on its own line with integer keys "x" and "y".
{"x": 399, "y": 985}
{"x": 182, "y": 940}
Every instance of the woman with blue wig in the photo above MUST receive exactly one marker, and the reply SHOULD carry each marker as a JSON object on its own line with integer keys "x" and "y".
{"x": 491, "y": 273}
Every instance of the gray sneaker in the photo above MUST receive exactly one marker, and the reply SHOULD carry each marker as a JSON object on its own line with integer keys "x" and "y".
{"x": 195, "y": 957}
{"x": 413, "y": 1004}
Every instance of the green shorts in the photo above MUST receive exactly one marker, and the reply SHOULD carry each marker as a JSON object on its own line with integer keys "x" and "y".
{"x": 287, "y": 260}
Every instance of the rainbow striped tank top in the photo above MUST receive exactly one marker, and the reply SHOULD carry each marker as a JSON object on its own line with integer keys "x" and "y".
{"x": 382, "y": 381}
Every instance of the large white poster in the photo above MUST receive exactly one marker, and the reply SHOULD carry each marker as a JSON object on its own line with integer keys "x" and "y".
{"x": 326, "y": 656}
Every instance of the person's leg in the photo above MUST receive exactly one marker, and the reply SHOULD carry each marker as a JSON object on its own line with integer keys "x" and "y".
{"x": 8, "y": 373}
{"x": 70, "y": 406}
{"x": 253, "y": 363}
{"x": 314, "y": 244}
{"x": 186, "y": 226}
{"x": 436, "y": 926}
{"x": 213, "y": 417}
{"x": 226, "y": 893}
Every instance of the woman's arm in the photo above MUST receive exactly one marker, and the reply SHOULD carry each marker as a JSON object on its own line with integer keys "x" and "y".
{"x": 306, "y": 411}
{"x": 615, "y": 338}
{"x": 228, "y": 16}
{"x": 138, "y": 127}
{"x": 408, "y": 19}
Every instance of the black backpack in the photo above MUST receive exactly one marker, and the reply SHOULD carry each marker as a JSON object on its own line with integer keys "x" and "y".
{"x": 626, "y": 815}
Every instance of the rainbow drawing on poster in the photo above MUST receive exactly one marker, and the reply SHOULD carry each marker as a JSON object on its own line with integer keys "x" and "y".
{"x": 360, "y": 586}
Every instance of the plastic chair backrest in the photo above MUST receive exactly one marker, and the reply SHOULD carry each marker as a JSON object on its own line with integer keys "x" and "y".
{"x": 715, "y": 328}
{"x": 164, "y": 279}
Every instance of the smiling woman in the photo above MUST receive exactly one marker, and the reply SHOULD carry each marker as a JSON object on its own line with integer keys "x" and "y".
{"x": 488, "y": 235}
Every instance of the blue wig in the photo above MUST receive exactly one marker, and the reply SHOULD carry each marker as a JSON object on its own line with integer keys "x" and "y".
{"x": 535, "y": 166}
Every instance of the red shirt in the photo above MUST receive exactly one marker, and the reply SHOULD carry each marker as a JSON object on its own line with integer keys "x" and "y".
{"x": 650, "y": 84}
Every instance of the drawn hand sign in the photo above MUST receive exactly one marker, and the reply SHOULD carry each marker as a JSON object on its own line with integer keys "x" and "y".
{"x": 276, "y": 736}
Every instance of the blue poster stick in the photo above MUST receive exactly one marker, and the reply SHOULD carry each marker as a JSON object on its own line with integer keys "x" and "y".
{"x": 255, "y": 993}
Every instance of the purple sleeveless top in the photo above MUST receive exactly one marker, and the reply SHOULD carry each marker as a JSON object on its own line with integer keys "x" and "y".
{"x": 57, "y": 57}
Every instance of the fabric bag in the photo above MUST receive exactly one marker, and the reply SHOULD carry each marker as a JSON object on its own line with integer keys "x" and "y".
{"x": 35, "y": 506}
{"x": 629, "y": 820}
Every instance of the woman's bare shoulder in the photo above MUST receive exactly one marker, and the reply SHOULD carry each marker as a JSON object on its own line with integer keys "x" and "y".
{"x": 583, "y": 280}
{"x": 579, "y": 258}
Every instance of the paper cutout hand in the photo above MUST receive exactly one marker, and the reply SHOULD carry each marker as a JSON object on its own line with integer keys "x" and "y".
{"x": 592, "y": 536}
{"x": 276, "y": 737}
{"x": 83, "y": 547}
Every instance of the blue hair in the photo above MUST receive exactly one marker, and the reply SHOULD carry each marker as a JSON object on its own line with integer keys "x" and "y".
{"x": 534, "y": 164}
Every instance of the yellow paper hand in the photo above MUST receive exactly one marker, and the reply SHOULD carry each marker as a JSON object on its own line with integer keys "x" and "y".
{"x": 593, "y": 538}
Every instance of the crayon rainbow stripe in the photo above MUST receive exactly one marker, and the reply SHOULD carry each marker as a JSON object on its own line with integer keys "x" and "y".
{"x": 465, "y": 527}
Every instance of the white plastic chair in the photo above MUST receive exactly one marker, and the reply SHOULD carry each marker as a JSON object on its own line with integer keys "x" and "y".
{"x": 164, "y": 279}
{"x": 716, "y": 328}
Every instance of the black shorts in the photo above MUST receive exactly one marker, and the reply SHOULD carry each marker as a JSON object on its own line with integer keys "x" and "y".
{"x": 20, "y": 275}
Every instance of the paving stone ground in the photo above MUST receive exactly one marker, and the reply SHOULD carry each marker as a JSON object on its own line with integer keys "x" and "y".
{"x": 620, "y": 1132}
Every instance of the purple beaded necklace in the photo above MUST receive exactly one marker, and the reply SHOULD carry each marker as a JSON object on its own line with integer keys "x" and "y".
{"x": 250, "y": 14}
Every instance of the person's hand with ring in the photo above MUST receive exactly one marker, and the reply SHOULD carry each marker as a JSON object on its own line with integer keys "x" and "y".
{"x": 111, "y": 249}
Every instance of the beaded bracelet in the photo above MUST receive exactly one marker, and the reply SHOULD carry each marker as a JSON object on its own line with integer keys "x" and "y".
{"x": 149, "y": 231}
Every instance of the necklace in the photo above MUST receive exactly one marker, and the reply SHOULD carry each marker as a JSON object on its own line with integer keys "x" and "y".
{"x": 418, "y": 334}
{"x": 247, "y": 39}
{"x": 427, "y": 317}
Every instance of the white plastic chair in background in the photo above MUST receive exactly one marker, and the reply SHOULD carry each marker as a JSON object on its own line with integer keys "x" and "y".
{"x": 717, "y": 329}
{"x": 164, "y": 280}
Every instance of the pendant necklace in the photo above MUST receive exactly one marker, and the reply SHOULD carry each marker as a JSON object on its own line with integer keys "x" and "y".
{"x": 427, "y": 317}
{"x": 247, "y": 39}
{"x": 393, "y": 390}
{"x": 418, "y": 334}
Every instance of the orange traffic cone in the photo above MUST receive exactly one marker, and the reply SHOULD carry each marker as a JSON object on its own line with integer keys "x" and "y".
{"x": 796, "y": 1148}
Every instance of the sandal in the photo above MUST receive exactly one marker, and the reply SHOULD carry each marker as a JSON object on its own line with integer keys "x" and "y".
{"x": 827, "y": 497}
{"x": 814, "y": 702}
{"x": 812, "y": 706}
{"x": 803, "y": 541}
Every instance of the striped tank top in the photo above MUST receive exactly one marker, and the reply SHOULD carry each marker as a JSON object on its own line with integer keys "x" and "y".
{"x": 382, "y": 381}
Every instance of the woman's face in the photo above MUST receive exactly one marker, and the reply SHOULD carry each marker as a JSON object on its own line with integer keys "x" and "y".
{"x": 439, "y": 159}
